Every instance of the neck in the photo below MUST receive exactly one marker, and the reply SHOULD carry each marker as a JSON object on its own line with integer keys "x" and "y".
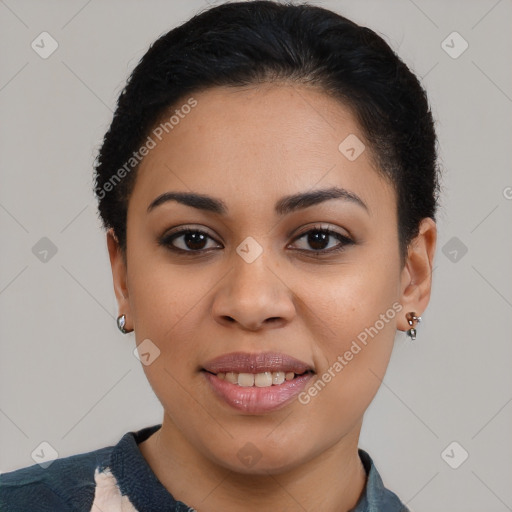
{"x": 332, "y": 481}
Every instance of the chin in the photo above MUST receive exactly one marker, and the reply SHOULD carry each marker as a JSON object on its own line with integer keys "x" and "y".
{"x": 249, "y": 460}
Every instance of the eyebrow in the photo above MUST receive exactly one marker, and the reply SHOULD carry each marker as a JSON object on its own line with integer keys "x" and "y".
{"x": 284, "y": 206}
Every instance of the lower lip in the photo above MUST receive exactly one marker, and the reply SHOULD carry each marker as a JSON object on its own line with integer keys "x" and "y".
{"x": 256, "y": 400}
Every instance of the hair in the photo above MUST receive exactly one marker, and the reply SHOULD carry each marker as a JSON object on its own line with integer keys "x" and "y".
{"x": 245, "y": 43}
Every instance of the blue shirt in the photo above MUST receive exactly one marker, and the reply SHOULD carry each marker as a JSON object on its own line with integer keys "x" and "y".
{"x": 118, "y": 479}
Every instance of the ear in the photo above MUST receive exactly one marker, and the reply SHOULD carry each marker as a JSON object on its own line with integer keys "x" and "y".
{"x": 416, "y": 277}
{"x": 119, "y": 273}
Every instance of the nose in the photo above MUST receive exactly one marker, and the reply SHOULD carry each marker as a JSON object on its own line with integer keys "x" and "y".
{"x": 252, "y": 296}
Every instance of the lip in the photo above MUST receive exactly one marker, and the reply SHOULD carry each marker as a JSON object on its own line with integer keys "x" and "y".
{"x": 244, "y": 362}
{"x": 256, "y": 400}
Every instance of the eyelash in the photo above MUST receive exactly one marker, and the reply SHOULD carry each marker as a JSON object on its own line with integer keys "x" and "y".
{"x": 167, "y": 240}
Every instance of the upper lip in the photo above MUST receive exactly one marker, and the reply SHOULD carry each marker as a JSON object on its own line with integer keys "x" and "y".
{"x": 244, "y": 362}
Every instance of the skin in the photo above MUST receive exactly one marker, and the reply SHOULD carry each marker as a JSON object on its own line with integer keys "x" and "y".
{"x": 249, "y": 147}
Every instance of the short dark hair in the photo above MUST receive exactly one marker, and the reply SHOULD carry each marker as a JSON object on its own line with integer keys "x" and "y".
{"x": 244, "y": 43}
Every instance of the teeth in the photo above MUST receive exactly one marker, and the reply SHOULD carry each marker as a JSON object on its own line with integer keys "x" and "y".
{"x": 232, "y": 377}
{"x": 277, "y": 378}
{"x": 260, "y": 380}
{"x": 246, "y": 380}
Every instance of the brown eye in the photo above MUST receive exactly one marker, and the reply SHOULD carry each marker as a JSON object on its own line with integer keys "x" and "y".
{"x": 189, "y": 240}
{"x": 319, "y": 239}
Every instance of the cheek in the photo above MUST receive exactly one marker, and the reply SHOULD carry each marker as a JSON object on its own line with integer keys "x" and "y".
{"x": 163, "y": 298}
{"x": 360, "y": 297}
{"x": 358, "y": 313}
{"x": 353, "y": 364}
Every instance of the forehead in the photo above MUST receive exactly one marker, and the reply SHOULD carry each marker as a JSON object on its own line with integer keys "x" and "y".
{"x": 259, "y": 143}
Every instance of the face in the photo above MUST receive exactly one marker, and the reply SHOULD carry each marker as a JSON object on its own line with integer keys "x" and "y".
{"x": 315, "y": 284}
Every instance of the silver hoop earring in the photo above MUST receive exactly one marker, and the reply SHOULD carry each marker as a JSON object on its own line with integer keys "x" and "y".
{"x": 412, "y": 320}
{"x": 121, "y": 322}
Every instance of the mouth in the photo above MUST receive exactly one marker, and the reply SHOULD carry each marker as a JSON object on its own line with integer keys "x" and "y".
{"x": 257, "y": 383}
{"x": 260, "y": 379}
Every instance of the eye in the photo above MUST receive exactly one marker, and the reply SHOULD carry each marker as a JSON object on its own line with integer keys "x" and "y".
{"x": 193, "y": 240}
{"x": 318, "y": 238}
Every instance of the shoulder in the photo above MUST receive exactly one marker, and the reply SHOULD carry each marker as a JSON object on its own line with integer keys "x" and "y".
{"x": 66, "y": 482}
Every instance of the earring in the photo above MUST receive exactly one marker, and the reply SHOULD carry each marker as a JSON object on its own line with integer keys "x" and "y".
{"x": 412, "y": 320}
{"x": 121, "y": 322}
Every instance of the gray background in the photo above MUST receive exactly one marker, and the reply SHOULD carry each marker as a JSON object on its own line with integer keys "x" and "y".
{"x": 69, "y": 378}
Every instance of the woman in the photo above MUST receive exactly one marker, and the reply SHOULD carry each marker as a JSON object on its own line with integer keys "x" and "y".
{"x": 269, "y": 188}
